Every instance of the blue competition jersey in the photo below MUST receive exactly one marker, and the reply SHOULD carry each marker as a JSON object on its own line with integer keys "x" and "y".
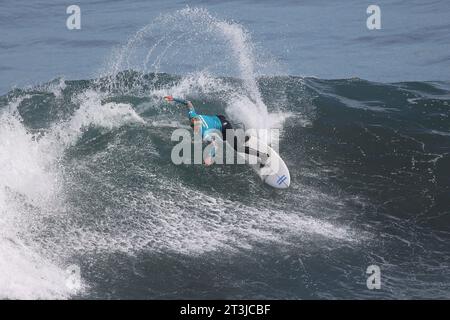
{"x": 209, "y": 123}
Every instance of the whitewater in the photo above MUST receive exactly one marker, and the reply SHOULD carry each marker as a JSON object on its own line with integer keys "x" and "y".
{"x": 86, "y": 178}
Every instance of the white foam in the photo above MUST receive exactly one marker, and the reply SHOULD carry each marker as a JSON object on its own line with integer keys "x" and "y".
{"x": 92, "y": 112}
{"x": 179, "y": 32}
{"x": 175, "y": 217}
{"x": 56, "y": 87}
{"x": 27, "y": 181}
{"x": 31, "y": 191}
{"x": 25, "y": 274}
{"x": 178, "y": 218}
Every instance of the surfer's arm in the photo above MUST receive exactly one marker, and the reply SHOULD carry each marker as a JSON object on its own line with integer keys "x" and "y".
{"x": 212, "y": 145}
{"x": 191, "y": 111}
{"x": 187, "y": 103}
{"x": 196, "y": 125}
{"x": 209, "y": 160}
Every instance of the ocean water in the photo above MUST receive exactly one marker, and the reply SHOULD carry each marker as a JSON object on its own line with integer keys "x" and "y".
{"x": 86, "y": 177}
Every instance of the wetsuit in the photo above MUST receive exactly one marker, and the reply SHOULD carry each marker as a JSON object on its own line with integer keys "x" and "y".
{"x": 208, "y": 125}
{"x": 211, "y": 125}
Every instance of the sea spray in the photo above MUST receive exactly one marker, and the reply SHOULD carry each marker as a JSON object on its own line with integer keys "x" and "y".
{"x": 31, "y": 193}
{"x": 115, "y": 197}
{"x": 187, "y": 35}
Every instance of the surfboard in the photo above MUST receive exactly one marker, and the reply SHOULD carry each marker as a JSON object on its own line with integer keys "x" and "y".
{"x": 267, "y": 163}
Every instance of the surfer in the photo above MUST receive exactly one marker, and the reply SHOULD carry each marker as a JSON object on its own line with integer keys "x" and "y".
{"x": 269, "y": 166}
{"x": 205, "y": 125}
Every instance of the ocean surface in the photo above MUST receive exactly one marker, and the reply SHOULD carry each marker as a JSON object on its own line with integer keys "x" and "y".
{"x": 88, "y": 188}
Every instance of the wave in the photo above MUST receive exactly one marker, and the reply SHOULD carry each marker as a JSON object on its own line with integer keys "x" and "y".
{"x": 85, "y": 169}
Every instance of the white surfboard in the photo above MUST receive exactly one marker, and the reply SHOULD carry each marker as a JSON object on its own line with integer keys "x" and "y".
{"x": 267, "y": 163}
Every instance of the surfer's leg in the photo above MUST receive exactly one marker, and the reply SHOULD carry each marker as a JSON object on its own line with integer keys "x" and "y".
{"x": 226, "y": 125}
{"x": 256, "y": 153}
{"x": 235, "y": 143}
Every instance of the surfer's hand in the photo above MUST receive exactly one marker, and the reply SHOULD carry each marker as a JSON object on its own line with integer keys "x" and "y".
{"x": 189, "y": 104}
{"x": 168, "y": 98}
{"x": 209, "y": 161}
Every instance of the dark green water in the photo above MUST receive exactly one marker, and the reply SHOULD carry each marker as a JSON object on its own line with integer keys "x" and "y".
{"x": 87, "y": 179}
{"x": 87, "y": 182}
